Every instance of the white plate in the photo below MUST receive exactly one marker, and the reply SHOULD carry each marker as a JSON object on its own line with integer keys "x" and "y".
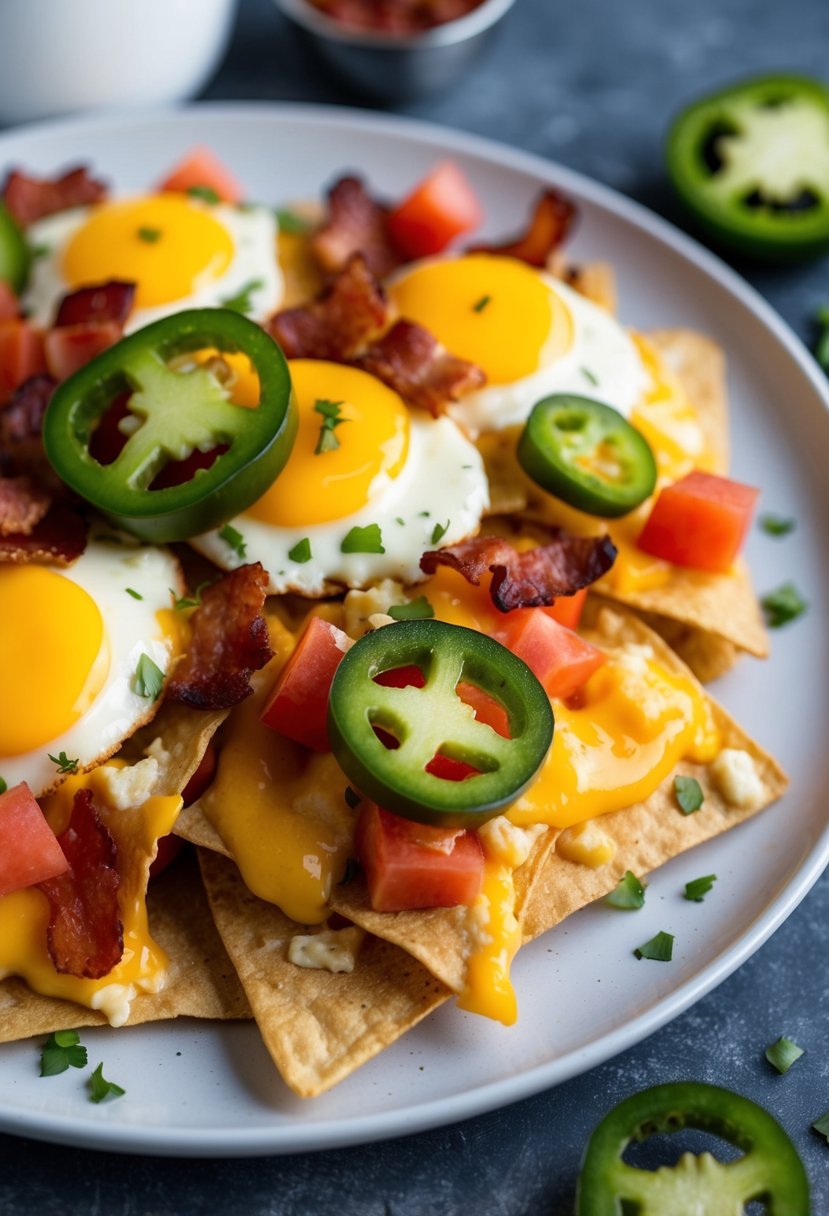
{"x": 209, "y": 1090}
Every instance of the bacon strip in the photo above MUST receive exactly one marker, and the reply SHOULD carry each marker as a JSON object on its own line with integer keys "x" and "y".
{"x": 409, "y": 359}
{"x": 30, "y": 198}
{"x": 339, "y": 323}
{"x": 111, "y": 301}
{"x": 22, "y": 505}
{"x": 357, "y": 223}
{"x": 548, "y": 228}
{"x": 229, "y": 642}
{"x": 85, "y": 936}
{"x": 21, "y": 421}
{"x": 59, "y": 538}
{"x": 532, "y": 579}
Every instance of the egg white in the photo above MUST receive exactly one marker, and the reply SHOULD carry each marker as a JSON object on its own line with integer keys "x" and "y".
{"x": 253, "y": 231}
{"x": 104, "y": 571}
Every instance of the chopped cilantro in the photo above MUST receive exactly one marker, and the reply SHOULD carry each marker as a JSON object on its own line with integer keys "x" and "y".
{"x": 782, "y": 1054}
{"x": 65, "y": 765}
{"x": 416, "y": 610}
{"x": 783, "y": 605}
{"x": 148, "y": 680}
{"x": 182, "y": 602}
{"x": 149, "y": 235}
{"x": 363, "y": 540}
{"x": 242, "y": 302}
{"x": 40, "y": 251}
{"x": 481, "y": 304}
{"x": 697, "y": 889}
{"x": 589, "y": 376}
{"x": 108, "y": 538}
{"x": 439, "y": 531}
{"x": 100, "y": 1089}
{"x": 398, "y": 519}
{"x": 3, "y": 786}
{"x": 330, "y": 411}
{"x": 289, "y": 221}
{"x": 688, "y": 793}
{"x": 135, "y": 594}
{"x": 776, "y": 525}
{"x": 301, "y": 552}
{"x": 62, "y": 1050}
{"x": 206, "y": 193}
{"x": 821, "y": 1125}
{"x": 629, "y": 893}
{"x": 233, "y": 537}
{"x": 659, "y": 949}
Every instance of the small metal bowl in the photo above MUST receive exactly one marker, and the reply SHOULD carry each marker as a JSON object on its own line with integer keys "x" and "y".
{"x": 399, "y": 67}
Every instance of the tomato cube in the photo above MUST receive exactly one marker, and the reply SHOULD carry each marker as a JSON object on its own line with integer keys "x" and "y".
{"x": 700, "y": 521}
{"x": 202, "y": 169}
{"x": 560, "y": 659}
{"x": 29, "y": 849}
{"x": 71, "y": 347}
{"x": 298, "y": 705}
{"x": 21, "y": 355}
{"x": 439, "y": 209}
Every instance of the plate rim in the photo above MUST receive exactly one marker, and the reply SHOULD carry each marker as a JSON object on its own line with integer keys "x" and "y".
{"x": 438, "y": 1112}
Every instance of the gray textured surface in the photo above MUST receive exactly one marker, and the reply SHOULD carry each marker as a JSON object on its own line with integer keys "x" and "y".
{"x": 591, "y": 84}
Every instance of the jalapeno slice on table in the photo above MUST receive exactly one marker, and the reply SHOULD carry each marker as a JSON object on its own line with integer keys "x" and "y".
{"x": 752, "y": 165}
{"x": 587, "y": 454}
{"x": 173, "y": 413}
{"x": 421, "y": 723}
{"x": 770, "y": 1169}
{"x": 14, "y": 253}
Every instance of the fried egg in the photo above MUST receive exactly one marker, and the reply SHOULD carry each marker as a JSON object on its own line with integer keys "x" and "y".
{"x": 71, "y": 645}
{"x": 179, "y": 251}
{"x": 530, "y": 333}
{"x": 393, "y": 483}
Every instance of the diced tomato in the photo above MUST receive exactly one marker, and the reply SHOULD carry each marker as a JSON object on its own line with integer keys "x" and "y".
{"x": 9, "y": 303}
{"x": 567, "y": 609}
{"x": 700, "y": 521}
{"x": 169, "y": 848}
{"x": 403, "y": 872}
{"x": 401, "y": 677}
{"x": 202, "y": 168}
{"x": 71, "y": 347}
{"x": 298, "y": 705}
{"x": 21, "y": 355}
{"x": 439, "y": 209}
{"x": 29, "y": 849}
{"x": 560, "y": 659}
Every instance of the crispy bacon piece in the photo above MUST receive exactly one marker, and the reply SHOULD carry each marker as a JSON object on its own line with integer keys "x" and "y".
{"x": 31, "y": 198}
{"x": 339, "y": 323}
{"x": 229, "y": 642}
{"x": 85, "y": 934}
{"x": 111, "y": 301}
{"x": 357, "y": 223}
{"x": 531, "y": 579}
{"x": 59, "y": 538}
{"x": 409, "y": 359}
{"x": 22, "y": 505}
{"x": 548, "y": 228}
{"x": 21, "y": 421}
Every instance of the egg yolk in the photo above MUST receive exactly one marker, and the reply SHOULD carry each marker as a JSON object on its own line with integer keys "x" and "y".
{"x": 372, "y": 440}
{"x": 167, "y": 245}
{"x": 496, "y": 312}
{"x": 53, "y": 655}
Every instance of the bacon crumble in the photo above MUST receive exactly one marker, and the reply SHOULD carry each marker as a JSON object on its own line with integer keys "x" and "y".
{"x": 21, "y": 420}
{"x": 356, "y": 223}
{"x": 410, "y": 360}
{"x": 22, "y": 505}
{"x": 110, "y": 301}
{"x": 30, "y": 198}
{"x": 548, "y": 228}
{"x": 338, "y": 323}
{"x": 59, "y": 538}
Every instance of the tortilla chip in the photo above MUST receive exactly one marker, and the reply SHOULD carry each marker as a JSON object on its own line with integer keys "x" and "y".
{"x": 180, "y": 736}
{"x": 318, "y": 1026}
{"x": 201, "y": 981}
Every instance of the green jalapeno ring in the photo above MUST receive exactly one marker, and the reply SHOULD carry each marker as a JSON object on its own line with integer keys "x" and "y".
{"x": 433, "y": 719}
{"x": 771, "y": 1168}
{"x": 15, "y": 257}
{"x": 587, "y": 454}
{"x": 182, "y": 412}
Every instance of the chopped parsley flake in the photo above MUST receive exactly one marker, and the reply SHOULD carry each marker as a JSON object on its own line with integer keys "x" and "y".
{"x": 439, "y": 531}
{"x": 62, "y": 1050}
{"x": 149, "y": 235}
{"x": 182, "y": 602}
{"x": 206, "y": 193}
{"x": 148, "y": 680}
{"x": 697, "y": 889}
{"x": 629, "y": 893}
{"x": 782, "y": 1054}
{"x": 688, "y": 793}
{"x": 821, "y": 1125}
{"x": 135, "y": 594}
{"x": 242, "y": 302}
{"x": 659, "y": 949}
{"x": 301, "y": 551}
{"x": 363, "y": 540}
{"x": 776, "y": 525}
{"x": 41, "y": 251}
{"x": 330, "y": 411}
{"x": 289, "y": 221}
{"x": 400, "y": 520}
{"x": 100, "y": 1089}
{"x": 64, "y": 764}
{"x": 783, "y": 605}
{"x": 589, "y": 376}
{"x": 481, "y": 304}
{"x": 416, "y": 610}
{"x": 233, "y": 537}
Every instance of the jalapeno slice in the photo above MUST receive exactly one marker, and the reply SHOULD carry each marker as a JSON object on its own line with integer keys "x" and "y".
{"x": 752, "y": 165}
{"x": 770, "y": 1169}
{"x": 587, "y": 454}
{"x": 173, "y": 414}
{"x": 432, "y": 720}
{"x": 14, "y": 253}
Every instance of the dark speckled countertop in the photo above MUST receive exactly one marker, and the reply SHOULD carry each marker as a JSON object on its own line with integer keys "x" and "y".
{"x": 591, "y": 84}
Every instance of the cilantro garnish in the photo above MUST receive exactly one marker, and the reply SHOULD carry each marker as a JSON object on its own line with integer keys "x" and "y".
{"x": 206, "y": 193}
{"x": 688, "y": 793}
{"x": 100, "y": 1089}
{"x": 135, "y": 594}
{"x": 62, "y": 1050}
{"x": 821, "y": 1125}
{"x": 416, "y": 610}
{"x": 40, "y": 251}
{"x": 233, "y": 537}
{"x": 149, "y": 235}
{"x": 481, "y": 304}
{"x": 439, "y": 531}
{"x": 65, "y": 765}
{"x": 289, "y": 221}
{"x": 659, "y": 949}
{"x": 629, "y": 893}
{"x": 301, "y": 552}
{"x": 697, "y": 889}
{"x": 782, "y": 1054}
{"x": 242, "y": 302}
{"x": 776, "y": 525}
{"x": 783, "y": 605}
{"x": 330, "y": 411}
{"x": 589, "y": 376}
{"x": 148, "y": 680}
{"x": 182, "y": 602}
{"x": 363, "y": 540}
